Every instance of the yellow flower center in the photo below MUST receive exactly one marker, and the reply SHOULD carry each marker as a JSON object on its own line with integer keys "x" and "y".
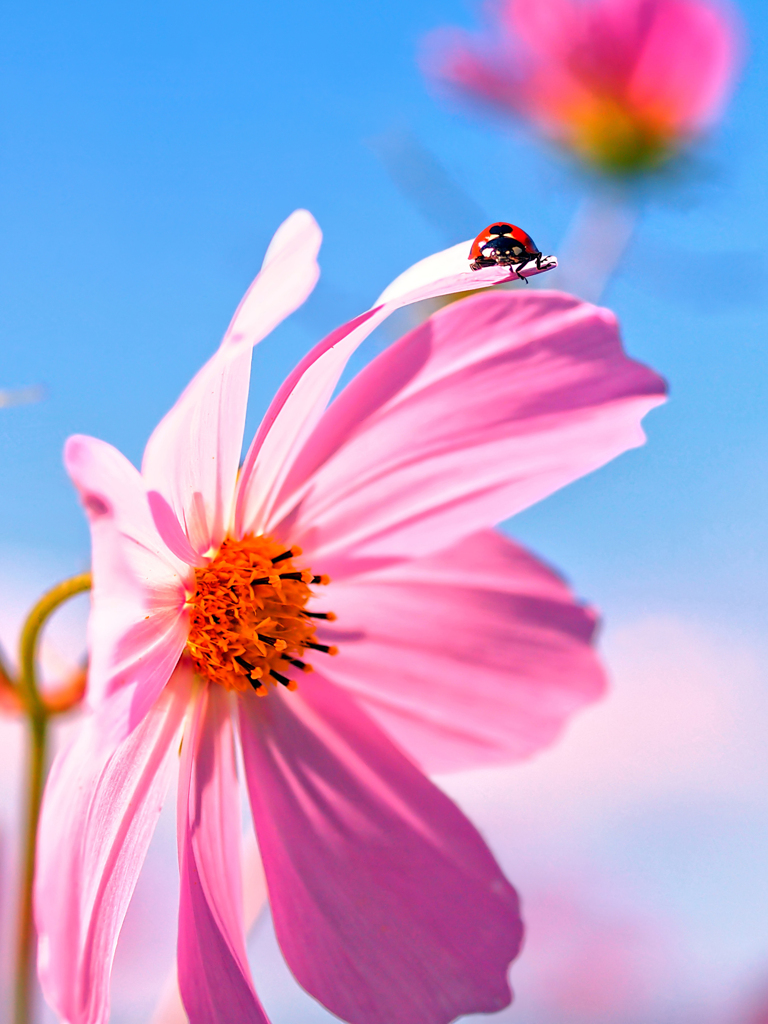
{"x": 616, "y": 137}
{"x": 249, "y": 626}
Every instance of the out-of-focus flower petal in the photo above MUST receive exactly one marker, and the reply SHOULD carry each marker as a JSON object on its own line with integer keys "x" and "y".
{"x": 137, "y": 627}
{"x": 304, "y": 395}
{"x": 214, "y": 978}
{"x": 387, "y": 904}
{"x": 193, "y": 455}
{"x": 673, "y": 58}
{"x": 476, "y": 655}
{"x": 685, "y": 64}
{"x": 489, "y": 406}
{"x": 624, "y": 83}
{"x": 100, "y": 809}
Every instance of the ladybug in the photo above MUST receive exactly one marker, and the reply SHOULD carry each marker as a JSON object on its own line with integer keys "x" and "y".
{"x": 503, "y": 245}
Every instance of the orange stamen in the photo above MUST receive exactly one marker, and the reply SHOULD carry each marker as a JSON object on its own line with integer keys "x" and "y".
{"x": 248, "y": 623}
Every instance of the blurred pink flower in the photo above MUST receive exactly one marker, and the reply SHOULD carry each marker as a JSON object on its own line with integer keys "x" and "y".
{"x": 589, "y": 959}
{"x": 387, "y": 904}
{"x": 758, "y": 1012}
{"x": 596, "y": 954}
{"x": 625, "y": 84}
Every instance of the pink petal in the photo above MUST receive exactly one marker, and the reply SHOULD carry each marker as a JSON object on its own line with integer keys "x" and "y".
{"x": 492, "y": 404}
{"x": 459, "y": 64}
{"x": 435, "y": 272}
{"x": 476, "y": 655}
{"x": 687, "y": 63}
{"x": 169, "y": 528}
{"x": 100, "y": 808}
{"x": 137, "y": 628}
{"x": 169, "y": 1008}
{"x": 673, "y": 57}
{"x": 387, "y": 904}
{"x": 553, "y": 30}
{"x": 304, "y": 395}
{"x": 193, "y": 455}
{"x": 214, "y": 978}
{"x": 672, "y": 60}
{"x": 522, "y": 65}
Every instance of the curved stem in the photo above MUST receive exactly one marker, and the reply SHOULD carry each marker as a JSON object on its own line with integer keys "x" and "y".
{"x": 38, "y": 715}
{"x": 30, "y": 637}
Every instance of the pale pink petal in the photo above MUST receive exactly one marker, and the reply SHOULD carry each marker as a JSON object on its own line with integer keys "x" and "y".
{"x": 489, "y": 406}
{"x": 458, "y": 64}
{"x": 214, "y": 978}
{"x": 303, "y": 397}
{"x": 476, "y": 655}
{"x": 99, "y": 812}
{"x": 438, "y": 270}
{"x": 169, "y": 528}
{"x": 386, "y": 902}
{"x": 193, "y": 455}
{"x": 137, "y": 627}
{"x": 553, "y": 30}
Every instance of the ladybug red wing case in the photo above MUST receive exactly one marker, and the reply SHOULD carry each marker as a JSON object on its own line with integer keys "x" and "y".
{"x": 505, "y": 245}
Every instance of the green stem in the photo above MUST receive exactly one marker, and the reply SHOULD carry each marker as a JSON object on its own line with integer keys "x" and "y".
{"x": 25, "y": 948}
{"x": 594, "y": 244}
{"x": 38, "y": 716}
{"x": 30, "y": 637}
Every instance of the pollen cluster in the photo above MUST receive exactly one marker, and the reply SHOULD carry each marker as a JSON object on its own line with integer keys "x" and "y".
{"x": 249, "y": 627}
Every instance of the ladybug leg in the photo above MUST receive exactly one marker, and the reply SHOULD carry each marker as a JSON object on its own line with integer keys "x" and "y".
{"x": 519, "y": 267}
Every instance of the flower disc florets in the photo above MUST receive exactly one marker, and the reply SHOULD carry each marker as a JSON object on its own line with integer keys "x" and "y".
{"x": 249, "y": 626}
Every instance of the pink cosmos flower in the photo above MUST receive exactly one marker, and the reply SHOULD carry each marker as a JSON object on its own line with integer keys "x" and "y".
{"x": 623, "y": 83}
{"x": 455, "y": 646}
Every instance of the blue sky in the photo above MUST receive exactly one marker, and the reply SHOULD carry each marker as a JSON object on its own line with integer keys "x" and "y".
{"x": 149, "y": 151}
